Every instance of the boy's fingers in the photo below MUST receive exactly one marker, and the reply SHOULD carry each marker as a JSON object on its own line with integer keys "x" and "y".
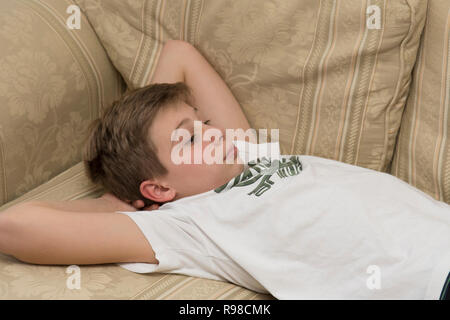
{"x": 138, "y": 203}
{"x": 151, "y": 207}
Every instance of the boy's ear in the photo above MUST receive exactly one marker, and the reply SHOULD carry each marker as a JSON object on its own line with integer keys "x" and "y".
{"x": 157, "y": 192}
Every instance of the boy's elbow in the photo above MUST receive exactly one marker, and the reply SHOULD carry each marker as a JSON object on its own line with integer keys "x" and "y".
{"x": 6, "y": 227}
{"x": 177, "y": 43}
{"x": 181, "y": 47}
{"x": 10, "y": 222}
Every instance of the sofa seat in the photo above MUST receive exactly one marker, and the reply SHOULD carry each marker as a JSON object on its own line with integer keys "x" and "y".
{"x": 20, "y": 280}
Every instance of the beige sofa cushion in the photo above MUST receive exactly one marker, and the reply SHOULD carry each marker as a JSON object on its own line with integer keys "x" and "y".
{"x": 334, "y": 87}
{"x": 26, "y": 281}
{"x": 422, "y": 157}
{"x": 53, "y": 83}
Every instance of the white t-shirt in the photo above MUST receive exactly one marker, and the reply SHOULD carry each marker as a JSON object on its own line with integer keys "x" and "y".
{"x": 312, "y": 228}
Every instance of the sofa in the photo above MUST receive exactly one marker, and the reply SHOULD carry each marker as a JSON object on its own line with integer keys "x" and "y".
{"x": 366, "y": 82}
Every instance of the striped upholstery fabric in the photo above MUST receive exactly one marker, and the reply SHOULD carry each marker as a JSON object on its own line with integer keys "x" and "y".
{"x": 422, "y": 157}
{"x": 333, "y": 86}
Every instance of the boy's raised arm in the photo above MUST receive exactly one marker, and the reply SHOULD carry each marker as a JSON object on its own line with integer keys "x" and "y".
{"x": 41, "y": 235}
{"x": 182, "y": 62}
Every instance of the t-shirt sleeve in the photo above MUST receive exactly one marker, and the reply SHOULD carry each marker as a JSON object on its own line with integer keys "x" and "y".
{"x": 178, "y": 245}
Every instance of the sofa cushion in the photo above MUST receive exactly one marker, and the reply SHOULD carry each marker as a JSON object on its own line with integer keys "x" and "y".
{"x": 422, "y": 156}
{"x": 26, "y": 281}
{"x": 53, "y": 82}
{"x": 330, "y": 76}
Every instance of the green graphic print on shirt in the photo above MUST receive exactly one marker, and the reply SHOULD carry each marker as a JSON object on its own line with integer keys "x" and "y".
{"x": 262, "y": 170}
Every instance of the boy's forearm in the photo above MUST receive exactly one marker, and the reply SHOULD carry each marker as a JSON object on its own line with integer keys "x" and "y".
{"x": 213, "y": 98}
{"x": 34, "y": 206}
{"x": 80, "y": 205}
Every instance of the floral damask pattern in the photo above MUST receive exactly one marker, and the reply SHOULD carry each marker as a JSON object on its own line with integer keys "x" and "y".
{"x": 49, "y": 283}
{"x": 113, "y": 28}
{"x": 25, "y": 281}
{"x": 17, "y": 27}
{"x": 69, "y": 137}
{"x": 79, "y": 78}
{"x": 268, "y": 36}
{"x": 32, "y": 92}
{"x": 50, "y": 90}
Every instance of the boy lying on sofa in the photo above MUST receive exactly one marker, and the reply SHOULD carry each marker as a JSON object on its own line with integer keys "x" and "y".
{"x": 297, "y": 227}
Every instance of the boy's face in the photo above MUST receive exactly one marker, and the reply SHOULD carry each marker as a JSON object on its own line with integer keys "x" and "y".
{"x": 190, "y": 178}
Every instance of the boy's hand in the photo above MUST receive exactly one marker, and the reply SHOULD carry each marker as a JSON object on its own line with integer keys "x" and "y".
{"x": 127, "y": 205}
{"x": 139, "y": 204}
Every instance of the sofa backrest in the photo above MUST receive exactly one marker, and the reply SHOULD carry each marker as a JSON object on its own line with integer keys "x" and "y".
{"x": 332, "y": 76}
{"x": 53, "y": 82}
{"x": 422, "y": 156}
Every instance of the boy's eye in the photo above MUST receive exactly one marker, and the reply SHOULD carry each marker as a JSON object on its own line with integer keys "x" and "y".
{"x": 193, "y": 136}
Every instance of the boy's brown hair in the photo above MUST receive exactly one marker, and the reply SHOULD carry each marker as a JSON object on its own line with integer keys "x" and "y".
{"x": 119, "y": 153}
